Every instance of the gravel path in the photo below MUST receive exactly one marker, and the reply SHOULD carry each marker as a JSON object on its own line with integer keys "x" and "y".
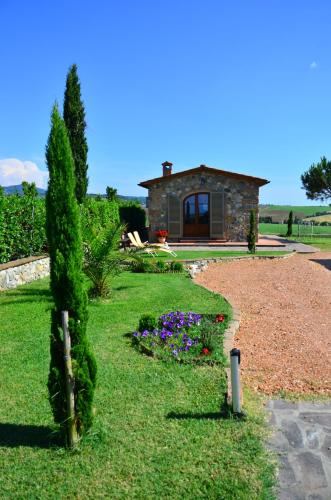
{"x": 285, "y": 332}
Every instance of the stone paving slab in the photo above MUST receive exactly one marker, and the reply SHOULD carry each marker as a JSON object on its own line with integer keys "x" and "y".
{"x": 302, "y": 443}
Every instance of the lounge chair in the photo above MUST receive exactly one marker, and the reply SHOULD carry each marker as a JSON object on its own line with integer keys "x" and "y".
{"x": 163, "y": 247}
{"x": 138, "y": 244}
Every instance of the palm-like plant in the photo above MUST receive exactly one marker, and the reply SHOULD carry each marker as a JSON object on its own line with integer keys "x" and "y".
{"x": 102, "y": 258}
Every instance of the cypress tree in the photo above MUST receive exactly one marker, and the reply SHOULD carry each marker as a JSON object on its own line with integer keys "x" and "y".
{"x": 74, "y": 118}
{"x": 251, "y": 237}
{"x": 65, "y": 250}
{"x": 290, "y": 224}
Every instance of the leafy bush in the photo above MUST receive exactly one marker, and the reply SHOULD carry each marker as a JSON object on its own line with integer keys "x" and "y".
{"x": 102, "y": 258}
{"x": 176, "y": 267}
{"x": 142, "y": 265}
{"x": 147, "y": 322}
{"x": 161, "y": 266}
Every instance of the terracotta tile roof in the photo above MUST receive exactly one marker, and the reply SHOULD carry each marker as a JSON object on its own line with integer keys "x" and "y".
{"x": 204, "y": 168}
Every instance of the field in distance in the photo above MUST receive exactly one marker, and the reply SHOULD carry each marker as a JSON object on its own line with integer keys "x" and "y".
{"x": 281, "y": 229}
{"x": 279, "y": 213}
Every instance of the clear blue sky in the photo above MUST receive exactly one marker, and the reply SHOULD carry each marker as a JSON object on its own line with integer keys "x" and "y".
{"x": 242, "y": 86}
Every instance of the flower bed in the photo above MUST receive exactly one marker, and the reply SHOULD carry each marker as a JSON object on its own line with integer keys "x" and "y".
{"x": 186, "y": 337}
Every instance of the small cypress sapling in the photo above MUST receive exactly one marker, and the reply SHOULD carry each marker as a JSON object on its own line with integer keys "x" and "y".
{"x": 66, "y": 257}
{"x": 251, "y": 237}
{"x": 290, "y": 224}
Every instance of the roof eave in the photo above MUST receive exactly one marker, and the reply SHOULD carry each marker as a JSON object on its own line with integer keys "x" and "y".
{"x": 256, "y": 180}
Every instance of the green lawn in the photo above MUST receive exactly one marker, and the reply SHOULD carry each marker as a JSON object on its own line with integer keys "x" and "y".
{"x": 281, "y": 229}
{"x": 211, "y": 254}
{"x": 157, "y": 431}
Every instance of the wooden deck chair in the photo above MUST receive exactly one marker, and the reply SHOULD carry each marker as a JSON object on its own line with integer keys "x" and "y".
{"x": 165, "y": 248}
{"x": 138, "y": 244}
{"x": 162, "y": 247}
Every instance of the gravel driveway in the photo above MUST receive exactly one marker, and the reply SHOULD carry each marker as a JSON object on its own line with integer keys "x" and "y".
{"x": 285, "y": 332}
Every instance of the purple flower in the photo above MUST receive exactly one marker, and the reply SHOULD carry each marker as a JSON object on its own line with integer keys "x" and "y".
{"x": 136, "y": 334}
{"x": 175, "y": 352}
{"x": 145, "y": 333}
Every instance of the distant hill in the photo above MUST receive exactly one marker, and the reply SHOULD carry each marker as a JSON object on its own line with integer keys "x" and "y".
{"x": 42, "y": 192}
{"x": 18, "y": 189}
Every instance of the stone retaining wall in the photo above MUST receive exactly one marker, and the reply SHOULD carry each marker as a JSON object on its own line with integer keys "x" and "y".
{"x": 23, "y": 271}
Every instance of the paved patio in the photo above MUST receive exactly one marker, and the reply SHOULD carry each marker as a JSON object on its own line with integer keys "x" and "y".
{"x": 265, "y": 243}
{"x": 302, "y": 442}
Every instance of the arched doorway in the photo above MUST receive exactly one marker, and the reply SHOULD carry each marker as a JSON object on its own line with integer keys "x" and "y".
{"x": 196, "y": 212}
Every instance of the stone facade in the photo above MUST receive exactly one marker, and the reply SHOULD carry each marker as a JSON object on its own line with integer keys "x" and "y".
{"x": 14, "y": 273}
{"x": 239, "y": 196}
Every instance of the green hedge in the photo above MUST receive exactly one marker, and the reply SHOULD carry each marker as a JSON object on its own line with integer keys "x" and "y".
{"x": 22, "y": 227}
{"x": 22, "y": 223}
{"x": 99, "y": 212}
{"x": 133, "y": 216}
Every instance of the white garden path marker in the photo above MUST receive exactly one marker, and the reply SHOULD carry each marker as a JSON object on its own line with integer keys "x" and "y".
{"x": 235, "y": 380}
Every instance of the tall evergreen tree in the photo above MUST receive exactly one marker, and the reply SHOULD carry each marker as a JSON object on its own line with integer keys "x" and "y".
{"x": 74, "y": 118}
{"x": 290, "y": 224}
{"x": 65, "y": 250}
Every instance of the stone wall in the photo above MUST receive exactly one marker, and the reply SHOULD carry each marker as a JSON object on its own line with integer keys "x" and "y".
{"x": 240, "y": 196}
{"x": 23, "y": 271}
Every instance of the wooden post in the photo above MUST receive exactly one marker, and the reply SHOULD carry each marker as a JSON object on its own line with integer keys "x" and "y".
{"x": 71, "y": 424}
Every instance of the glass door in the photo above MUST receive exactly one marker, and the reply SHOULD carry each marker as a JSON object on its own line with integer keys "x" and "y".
{"x": 196, "y": 215}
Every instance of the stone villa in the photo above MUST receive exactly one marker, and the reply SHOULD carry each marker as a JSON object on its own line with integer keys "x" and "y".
{"x": 202, "y": 203}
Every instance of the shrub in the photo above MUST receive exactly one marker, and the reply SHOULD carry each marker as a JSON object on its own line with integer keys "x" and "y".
{"x": 161, "y": 266}
{"x": 176, "y": 267}
{"x": 142, "y": 266}
{"x": 147, "y": 322}
{"x": 102, "y": 258}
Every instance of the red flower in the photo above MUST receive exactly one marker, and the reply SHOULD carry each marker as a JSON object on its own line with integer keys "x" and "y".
{"x": 205, "y": 351}
{"x": 161, "y": 233}
{"x": 219, "y": 318}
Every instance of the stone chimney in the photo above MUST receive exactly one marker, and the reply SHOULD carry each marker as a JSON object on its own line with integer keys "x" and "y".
{"x": 166, "y": 168}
